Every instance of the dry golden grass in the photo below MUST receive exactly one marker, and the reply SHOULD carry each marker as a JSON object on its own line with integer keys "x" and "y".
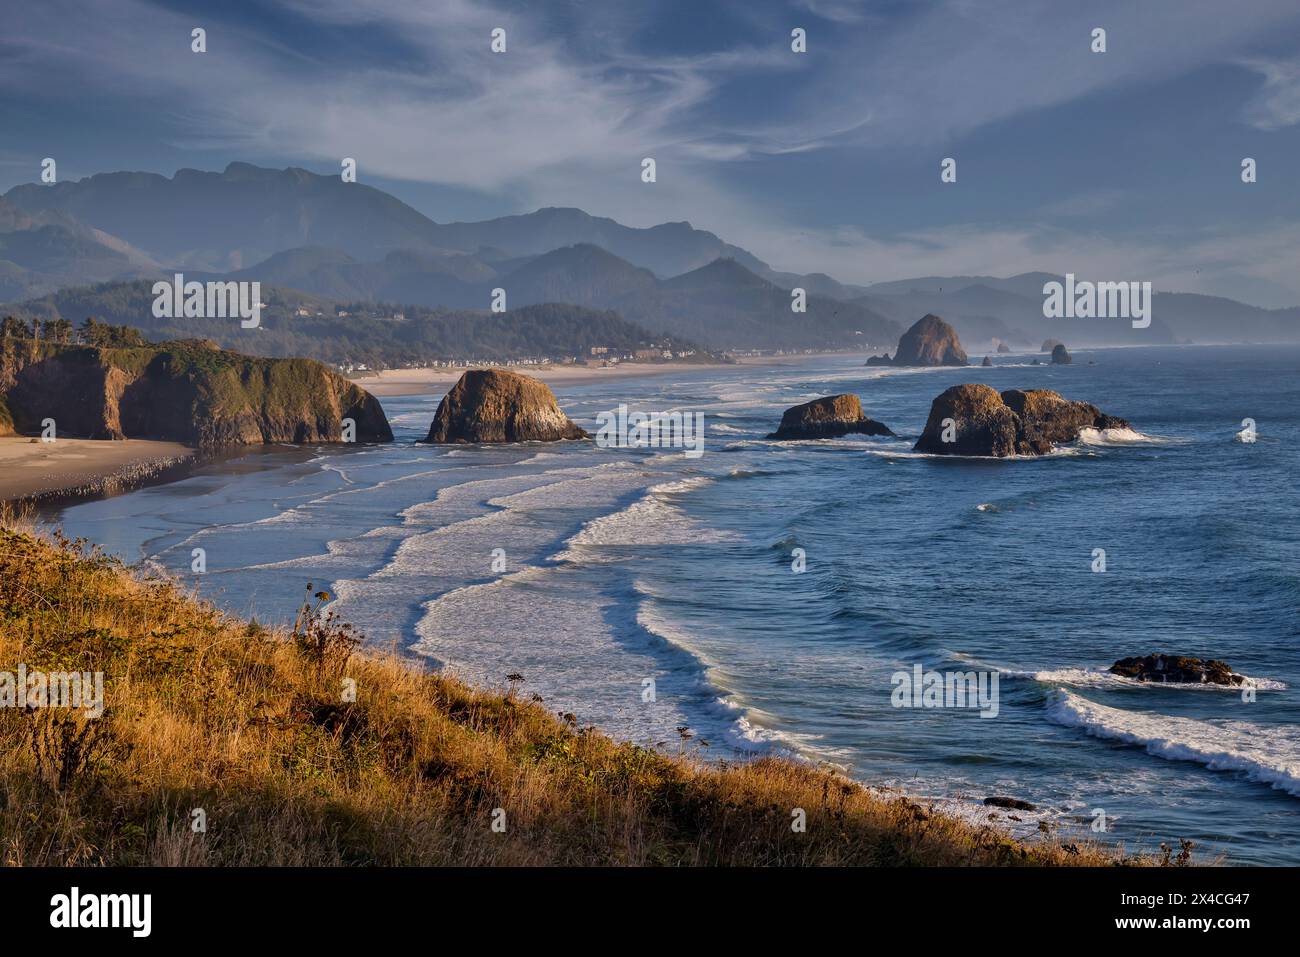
{"x": 205, "y": 711}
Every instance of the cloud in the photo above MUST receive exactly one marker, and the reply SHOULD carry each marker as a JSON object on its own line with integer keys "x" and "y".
{"x": 1277, "y": 104}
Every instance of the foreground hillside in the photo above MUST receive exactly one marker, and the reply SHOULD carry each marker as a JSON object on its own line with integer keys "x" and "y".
{"x": 187, "y": 391}
{"x": 249, "y": 728}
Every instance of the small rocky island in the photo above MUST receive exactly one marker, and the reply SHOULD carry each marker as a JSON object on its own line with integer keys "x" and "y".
{"x": 930, "y": 342}
{"x": 1177, "y": 669}
{"x": 985, "y": 422}
{"x": 827, "y": 418}
{"x": 494, "y": 405}
{"x": 1060, "y": 355}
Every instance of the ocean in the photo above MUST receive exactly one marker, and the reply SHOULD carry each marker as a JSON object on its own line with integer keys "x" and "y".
{"x": 647, "y": 591}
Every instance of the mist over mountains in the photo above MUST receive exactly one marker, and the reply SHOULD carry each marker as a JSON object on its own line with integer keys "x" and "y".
{"x": 348, "y": 242}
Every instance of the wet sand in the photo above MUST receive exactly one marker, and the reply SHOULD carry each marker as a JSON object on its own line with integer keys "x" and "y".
{"x": 35, "y": 469}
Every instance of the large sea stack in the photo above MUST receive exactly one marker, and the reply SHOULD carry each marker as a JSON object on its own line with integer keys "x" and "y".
{"x": 1016, "y": 422}
{"x": 828, "y": 418}
{"x": 930, "y": 342}
{"x": 493, "y": 405}
{"x": 189, "y": 391}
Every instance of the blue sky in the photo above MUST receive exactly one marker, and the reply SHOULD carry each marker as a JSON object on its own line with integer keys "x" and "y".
{"x": 1118, "y": 165}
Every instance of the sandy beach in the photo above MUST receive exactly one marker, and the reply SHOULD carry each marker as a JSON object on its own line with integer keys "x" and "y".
{"x": 437, "y": 381}
{"x": 30, "y": 468}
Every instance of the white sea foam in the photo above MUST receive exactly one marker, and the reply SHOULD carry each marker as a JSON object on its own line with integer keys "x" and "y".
{"x": 1268, "y": 754}
{"x": 1101, "y": 678}
{"x": 1106, "y": 437}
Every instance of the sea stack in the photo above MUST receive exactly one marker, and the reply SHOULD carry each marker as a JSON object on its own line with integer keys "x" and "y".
{"x": 493, "y": 405}
{"x": 1060, "y": 356}
{"x": 987, "y": 362}
{"x": 930, "y": 342}
{"x": 1049, "y": 345}
{"x": 1176, "y": 669}
{"x": 827, "y": 418}
{"x": 1016, "y": 422}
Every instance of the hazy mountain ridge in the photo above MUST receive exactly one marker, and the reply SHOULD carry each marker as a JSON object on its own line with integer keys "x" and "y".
{"x": 356, "y": 243}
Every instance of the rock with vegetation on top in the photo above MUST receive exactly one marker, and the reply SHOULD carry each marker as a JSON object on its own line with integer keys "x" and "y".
{"x": 494, "y": 405}
{"x": 1060, "y": 356}
{"x": 1177, "y": 669}
{"x": 828, "y": 418}
{"x": 187, "y": 392}
{"x": 985, "y": 422}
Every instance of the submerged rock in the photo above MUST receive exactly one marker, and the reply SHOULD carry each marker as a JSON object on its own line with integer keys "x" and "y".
{"x": 828, "y": 418}
{"x": 1177, "y": 669}
{"x": 1060, "y": 357}
{"x": 1014, "y": 804}
{"x": 985, "y": 422}
{"x": 493, "y": 405}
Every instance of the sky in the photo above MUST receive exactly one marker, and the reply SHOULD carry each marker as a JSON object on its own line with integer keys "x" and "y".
{"x": 1122, "y": 165}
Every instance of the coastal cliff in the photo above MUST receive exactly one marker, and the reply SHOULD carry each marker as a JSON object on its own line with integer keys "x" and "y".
{"x": 188, "y": 391}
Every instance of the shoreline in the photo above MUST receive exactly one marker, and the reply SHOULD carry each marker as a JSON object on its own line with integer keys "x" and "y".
{"x": 49, "y": 474}
{"x": 429, "y": 381}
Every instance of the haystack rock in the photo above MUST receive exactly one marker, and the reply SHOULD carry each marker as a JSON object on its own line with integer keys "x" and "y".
{"x": 828, "y": 418}
{"x": 930, "y": 342}
{"x": 1177, "y": 669}
{"x": 988, "y": 423}
{"x": 493, "y": 405}
{"x": 1060, "y": 356}
{"x": 1049, "y": 345}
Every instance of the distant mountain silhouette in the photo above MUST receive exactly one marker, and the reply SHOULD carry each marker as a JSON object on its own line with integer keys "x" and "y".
{"x": 348, "y": 241}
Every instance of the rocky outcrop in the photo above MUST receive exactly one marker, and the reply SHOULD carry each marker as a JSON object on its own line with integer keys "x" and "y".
{"x": 493, "y": 405}
{"x": 1003, "y": 347}
{"x": 1010, "y": 803}
{"x": 987, "y": 362}
{"x": 985, "y": 422}
{"x": 884, "y": 360}
{"x": 930, "y": 342}
{"x": 1177, "y": 669}
{"x": 184, "y": 392}
{"x": 828, "y": 418}
{"x": 1049, "y": 345}
{"x": 1060, "y": 357}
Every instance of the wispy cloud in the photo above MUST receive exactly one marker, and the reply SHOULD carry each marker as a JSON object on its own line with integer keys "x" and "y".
{"x": 1277, "y": 104}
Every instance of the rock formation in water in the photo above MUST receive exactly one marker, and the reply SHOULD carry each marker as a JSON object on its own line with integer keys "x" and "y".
{"x": 930, "y": 342}
{"x": 189, "y": 392}
{"x": 1049, "y": 345}
{"x": 984, "y": 422}
{"x": 828, "y": 418}
{"x": 1177, "y": 669}
{"x": 1060, "y": 356}
{"x": 1003, "y": 347}
{"x": 493, "y": 405}
{"x": 987, "y": 362}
